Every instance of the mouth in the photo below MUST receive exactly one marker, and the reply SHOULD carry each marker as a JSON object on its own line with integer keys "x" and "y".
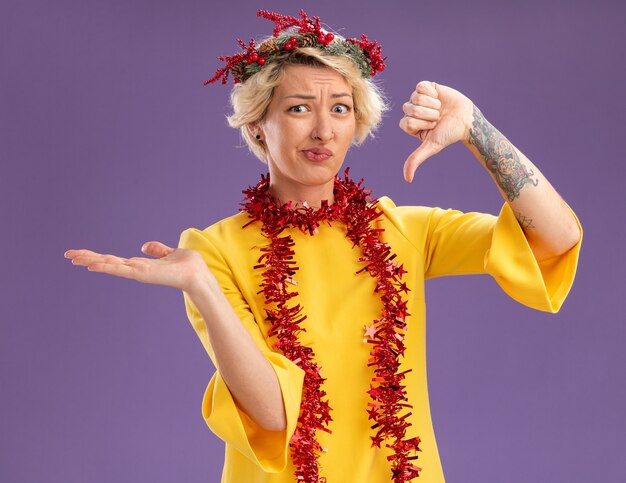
{"x": 317, "y": 154}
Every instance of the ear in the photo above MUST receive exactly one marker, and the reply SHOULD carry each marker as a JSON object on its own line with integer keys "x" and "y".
{"x": 254, "y": 128}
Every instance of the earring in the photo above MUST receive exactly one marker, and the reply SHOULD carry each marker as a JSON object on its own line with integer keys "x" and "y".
{"x": 258, "y": 136}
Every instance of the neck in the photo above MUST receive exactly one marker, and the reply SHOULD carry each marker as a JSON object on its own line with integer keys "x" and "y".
{"x": 311, "y": 195}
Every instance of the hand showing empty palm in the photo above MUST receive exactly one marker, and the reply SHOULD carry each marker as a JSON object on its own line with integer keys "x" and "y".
{"x": 174, "y": 267}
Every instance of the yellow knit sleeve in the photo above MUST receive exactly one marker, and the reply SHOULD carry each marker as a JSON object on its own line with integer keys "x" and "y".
{"x": 457, "y": 243}
{"x": 268, "y": 449}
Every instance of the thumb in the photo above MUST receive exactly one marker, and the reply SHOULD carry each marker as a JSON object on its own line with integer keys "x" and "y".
{"x": 417, "y": 157}
{"x": 156, "y": 249}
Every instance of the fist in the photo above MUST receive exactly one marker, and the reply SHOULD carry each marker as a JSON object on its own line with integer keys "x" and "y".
{"x": 438, "y": 116}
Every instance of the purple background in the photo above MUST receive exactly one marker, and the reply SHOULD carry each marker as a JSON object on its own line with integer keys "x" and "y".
{"x": 108, "y": 139}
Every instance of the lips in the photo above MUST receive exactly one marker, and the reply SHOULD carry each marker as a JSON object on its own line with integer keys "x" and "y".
{"x": 317, "y": 154}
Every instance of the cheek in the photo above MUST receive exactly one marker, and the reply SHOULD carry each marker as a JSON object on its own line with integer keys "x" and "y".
{"x": 348, "y": 133}
{"x": 280, "y": 130}
{"x": 293, "y": 135}
{"x": 273, "y": 137}
{"x": 280, "y": 143}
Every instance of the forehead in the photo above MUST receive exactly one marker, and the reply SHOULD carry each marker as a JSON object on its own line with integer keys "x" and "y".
{"x": 304, "y": 78}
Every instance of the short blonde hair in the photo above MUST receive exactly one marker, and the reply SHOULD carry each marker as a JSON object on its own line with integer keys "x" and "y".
{"x": 250, "y": 99}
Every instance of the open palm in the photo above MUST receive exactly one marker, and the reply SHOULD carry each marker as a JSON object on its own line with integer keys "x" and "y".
{"x": 174, "y": 267}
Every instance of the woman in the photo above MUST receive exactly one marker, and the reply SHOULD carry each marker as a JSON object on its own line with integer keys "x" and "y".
{"x": 310, "y": 302}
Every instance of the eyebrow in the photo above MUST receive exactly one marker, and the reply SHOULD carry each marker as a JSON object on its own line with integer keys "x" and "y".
{"x": 308, "y": 97}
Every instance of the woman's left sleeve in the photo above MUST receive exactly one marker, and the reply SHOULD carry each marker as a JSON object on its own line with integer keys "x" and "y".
{"x": 542, "y": 285}
{"x": 455, "y": 243}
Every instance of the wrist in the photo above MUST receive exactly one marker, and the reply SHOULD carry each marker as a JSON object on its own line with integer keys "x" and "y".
{"x": 470, "y": 120}
{"x": 202, "y": 285}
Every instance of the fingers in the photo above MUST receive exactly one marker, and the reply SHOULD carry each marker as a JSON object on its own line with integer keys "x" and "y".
{"x": 83, "y": 255}
{"x": 417, "y": 157}
{"x": 422, "y": 111}
{"x": 104, "y": 263}
{"x": 87, "y": 258}
{"x": 117, "y": 269}
{"x": 156, "y": 249}
{"x": 75, "y": 253}
{"x": 428, "y": 88}
{"x": 426, "y": 100}
{"x": 414, "y": 127}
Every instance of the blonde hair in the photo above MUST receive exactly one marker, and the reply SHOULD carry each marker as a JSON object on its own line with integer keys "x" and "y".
{"x": 250, "y": 99}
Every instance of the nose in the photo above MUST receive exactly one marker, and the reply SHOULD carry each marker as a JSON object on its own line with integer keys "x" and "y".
{"x": 323, "y": 129}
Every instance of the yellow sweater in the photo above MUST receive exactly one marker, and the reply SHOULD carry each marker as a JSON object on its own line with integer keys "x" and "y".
{"x": 430, "y": 242}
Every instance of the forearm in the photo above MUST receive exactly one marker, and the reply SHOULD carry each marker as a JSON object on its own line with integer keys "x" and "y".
{"x": 246, "y": 371}
{"x": 546, "y": 220}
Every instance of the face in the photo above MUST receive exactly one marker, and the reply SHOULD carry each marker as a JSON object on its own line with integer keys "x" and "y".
{"x": 308, "y": 128}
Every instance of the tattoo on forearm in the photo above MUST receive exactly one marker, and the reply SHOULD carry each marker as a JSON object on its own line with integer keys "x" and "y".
{"x": 500, "y": 157}
{"x": 524, "y": 221}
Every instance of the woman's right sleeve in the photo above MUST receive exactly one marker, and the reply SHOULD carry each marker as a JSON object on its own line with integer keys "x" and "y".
{"x": 268, "y": 449}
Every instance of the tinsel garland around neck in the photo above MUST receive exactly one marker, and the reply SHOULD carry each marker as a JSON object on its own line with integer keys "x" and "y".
{"x": 355, "y": 207}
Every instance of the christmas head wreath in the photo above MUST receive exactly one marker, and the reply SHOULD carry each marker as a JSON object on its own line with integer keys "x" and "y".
{"x": 290, "y": 34}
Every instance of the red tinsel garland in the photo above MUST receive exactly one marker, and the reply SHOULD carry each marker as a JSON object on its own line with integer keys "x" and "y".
{"x": 357, "y": 209}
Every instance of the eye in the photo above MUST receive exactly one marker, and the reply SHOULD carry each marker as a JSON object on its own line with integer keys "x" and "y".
{"x": 341, "y": 108}
{"x": 298, "y": 108}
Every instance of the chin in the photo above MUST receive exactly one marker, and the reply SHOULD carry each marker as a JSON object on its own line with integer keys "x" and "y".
{"x": 319, "y": 174}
